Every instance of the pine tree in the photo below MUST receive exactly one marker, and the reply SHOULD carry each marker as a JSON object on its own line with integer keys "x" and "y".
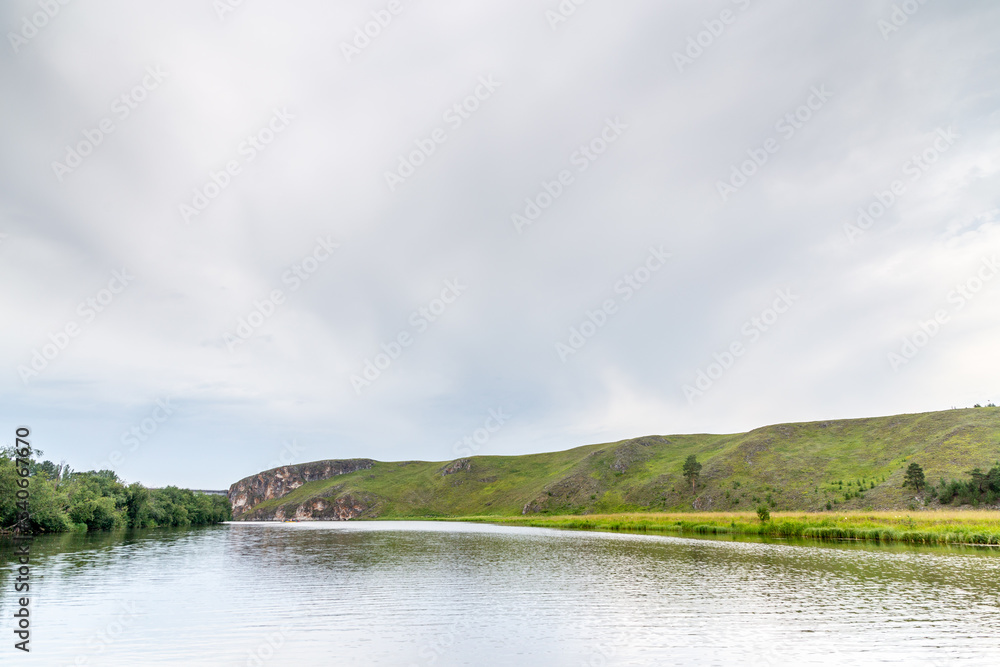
{"x": 915, "y": 477}
{"x": 691, "y": 470}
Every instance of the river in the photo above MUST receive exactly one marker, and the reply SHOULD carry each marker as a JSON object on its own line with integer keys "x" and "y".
{"x": 446, "y": 594}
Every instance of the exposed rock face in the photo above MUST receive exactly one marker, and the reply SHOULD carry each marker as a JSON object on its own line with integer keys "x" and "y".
{"x": 326, "y": 508}
{"x": 249, "y": 492}
{"x": 632, "y": 452}
{"x": 456, "y": 466}
{"x": 574, "y": 490}
{"x": 752, "y": 447}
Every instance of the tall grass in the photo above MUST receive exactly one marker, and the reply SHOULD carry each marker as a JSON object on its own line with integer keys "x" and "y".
{"x": 937, "y": 527}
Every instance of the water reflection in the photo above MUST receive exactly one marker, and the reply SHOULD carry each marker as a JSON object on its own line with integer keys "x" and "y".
{"x": 422, "y": 593}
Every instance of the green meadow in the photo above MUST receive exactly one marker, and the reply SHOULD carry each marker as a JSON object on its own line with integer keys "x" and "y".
{"x": 834, "y": 466}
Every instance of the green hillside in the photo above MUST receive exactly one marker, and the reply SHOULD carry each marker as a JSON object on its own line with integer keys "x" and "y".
{"x": 851, "y": 464}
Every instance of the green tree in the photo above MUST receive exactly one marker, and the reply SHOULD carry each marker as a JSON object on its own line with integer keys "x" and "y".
{"x": 915, "y": 477}
{"x": 8, "y": 484}
{"x": 98, "y": 500}
{"x": 47, "y": 468}
{"x": 137, "y": 505}
{"x": 980, "y": 480}
{"x": 691, "y": 470}
{"x": 47, "y": 507}
{"x": 993, "y": 478}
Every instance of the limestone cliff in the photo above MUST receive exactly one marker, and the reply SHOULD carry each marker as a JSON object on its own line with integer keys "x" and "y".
{"x": 333, "y": 505}
{"x": 249, "y": 492}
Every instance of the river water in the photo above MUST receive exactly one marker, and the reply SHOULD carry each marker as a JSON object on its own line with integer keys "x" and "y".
{"x": 436, "y": 593}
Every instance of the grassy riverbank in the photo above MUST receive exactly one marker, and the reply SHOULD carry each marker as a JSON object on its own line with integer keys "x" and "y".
{"x": 839, "y": 466}
{"x": 930, "y": 527}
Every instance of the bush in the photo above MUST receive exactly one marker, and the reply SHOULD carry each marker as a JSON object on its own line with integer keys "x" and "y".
{"x": 982, "y": 487}
{"x": 763, "y": 513}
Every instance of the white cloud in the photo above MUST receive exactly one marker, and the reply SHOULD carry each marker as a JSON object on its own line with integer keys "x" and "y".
{"x": 324, "y": 175}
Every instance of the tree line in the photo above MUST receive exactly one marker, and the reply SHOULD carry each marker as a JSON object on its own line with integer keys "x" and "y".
{"x": 980, "y": 488}
{"x": 62, "y": 499}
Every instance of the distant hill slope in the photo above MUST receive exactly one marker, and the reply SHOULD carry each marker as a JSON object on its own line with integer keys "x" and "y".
{"x": 850, "y": 463}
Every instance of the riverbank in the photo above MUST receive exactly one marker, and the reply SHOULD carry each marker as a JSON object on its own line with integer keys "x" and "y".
{"x": 975, "y": 527}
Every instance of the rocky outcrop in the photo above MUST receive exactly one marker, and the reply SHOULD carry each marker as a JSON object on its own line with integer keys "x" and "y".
{"x": 457, "y": 465}
{"x": 632, "y": 452}
{"x": 249, "y": 492}
{"x": 572, "y": 491}
{"x": 751, "y": 447}
{"x": 329, "y": 507}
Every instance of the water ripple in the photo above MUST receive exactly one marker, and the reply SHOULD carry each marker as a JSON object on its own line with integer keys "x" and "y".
{"x": 448, "y": 594}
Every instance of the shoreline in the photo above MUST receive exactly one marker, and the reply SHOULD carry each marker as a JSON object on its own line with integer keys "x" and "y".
{"x": 979, "y": 528}
{"x": 970, "y": 528}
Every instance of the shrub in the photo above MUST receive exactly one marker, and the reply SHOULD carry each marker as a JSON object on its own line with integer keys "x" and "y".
{"x": 763, "y": 513}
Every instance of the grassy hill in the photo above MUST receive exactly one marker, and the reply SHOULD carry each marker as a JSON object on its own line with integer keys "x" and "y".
{"x": 850, "y": 464}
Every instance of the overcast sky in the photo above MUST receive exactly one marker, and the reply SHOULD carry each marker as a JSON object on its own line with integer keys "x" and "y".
{"x": 624, "y": 219}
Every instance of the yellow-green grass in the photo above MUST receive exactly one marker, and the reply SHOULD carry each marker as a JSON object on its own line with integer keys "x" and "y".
{"x": 927, "y": 527}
